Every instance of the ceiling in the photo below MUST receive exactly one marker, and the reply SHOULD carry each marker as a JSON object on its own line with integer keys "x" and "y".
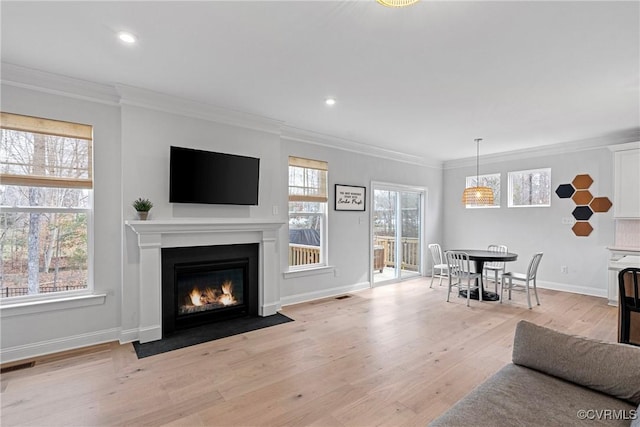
{"x": 424, "y": 80}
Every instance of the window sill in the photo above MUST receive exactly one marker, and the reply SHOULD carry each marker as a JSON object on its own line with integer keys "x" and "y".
{"x": 311, "y": 271}
{"x": 61, "y": 303}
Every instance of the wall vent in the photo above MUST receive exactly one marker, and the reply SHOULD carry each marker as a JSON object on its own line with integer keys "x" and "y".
{"x": 4, "y": 370}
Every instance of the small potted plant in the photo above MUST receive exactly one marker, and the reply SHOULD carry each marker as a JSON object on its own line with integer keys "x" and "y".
{"x": 142, "y": 206}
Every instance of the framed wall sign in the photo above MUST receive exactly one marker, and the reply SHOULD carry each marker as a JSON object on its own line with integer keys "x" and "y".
{"x": 350, "y": 198}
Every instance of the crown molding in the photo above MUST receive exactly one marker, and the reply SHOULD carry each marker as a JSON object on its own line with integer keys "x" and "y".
{"x": 56, "y": 84}
{"x": 117, "y": 95}
{"x": 604, "y": 141}
{"x": 137, "y": 97}
{"x": 626, "y": 146}
{"x": 315, "y": 138}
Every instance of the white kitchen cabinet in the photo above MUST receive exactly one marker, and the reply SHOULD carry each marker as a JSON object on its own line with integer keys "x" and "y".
{"x": 626, "y": 203}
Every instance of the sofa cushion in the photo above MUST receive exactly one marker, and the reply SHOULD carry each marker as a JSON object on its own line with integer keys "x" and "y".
{"x": 611, "y": 368}
{"x": 519, "y": 396}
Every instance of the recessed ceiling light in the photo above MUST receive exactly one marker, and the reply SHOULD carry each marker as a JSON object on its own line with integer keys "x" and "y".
{"x": 127, "y": 38}
{"x": 330, "y": 101}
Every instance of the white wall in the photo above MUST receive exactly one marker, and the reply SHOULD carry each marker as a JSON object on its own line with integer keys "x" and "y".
{"x": 32, "y": 334}
{"x": 147, "y": 135}
{"x": 349, "y": 240}
{"x": 538, "y": 229}
{"x": 133, "y": 130}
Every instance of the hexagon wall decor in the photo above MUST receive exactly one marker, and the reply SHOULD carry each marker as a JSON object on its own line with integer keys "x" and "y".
{"x": 582, "y": 213}
{"x": 586, "y": 204}
{"x": 565, "y": 191}
{"x": 582, "y": 228}
{"x": 600, "y": 204}
{"x": 582, "y": 182}
{"x": 582, "y": 197}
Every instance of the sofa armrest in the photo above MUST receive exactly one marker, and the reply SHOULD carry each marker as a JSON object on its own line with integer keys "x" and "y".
{"x": 610, "y": 368}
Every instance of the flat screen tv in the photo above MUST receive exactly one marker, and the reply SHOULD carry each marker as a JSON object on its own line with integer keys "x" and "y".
{"x": 198, "y": 176}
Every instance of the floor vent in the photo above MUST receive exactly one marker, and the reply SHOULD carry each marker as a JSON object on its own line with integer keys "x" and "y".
{"x": 343, "y": 297}
{"x": 17, "y": 367}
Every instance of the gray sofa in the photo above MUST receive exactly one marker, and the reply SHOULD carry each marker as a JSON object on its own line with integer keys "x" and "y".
{"x": 555, "y": 380}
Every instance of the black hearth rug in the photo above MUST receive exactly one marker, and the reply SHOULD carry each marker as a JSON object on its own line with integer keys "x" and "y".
{"x": 210, "y": 332}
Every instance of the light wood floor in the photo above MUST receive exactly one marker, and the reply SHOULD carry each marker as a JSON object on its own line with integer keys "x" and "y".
{"x": 396, "y": 355}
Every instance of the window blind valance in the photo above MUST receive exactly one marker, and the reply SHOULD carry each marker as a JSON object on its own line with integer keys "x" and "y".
{"x": 307, "y": 180}
{"x": 40, "y": 152}
{"x": 45, "y": 126}
{"x": 308, "y": 163}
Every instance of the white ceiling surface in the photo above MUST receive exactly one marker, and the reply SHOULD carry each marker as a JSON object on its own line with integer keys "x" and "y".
{"x": 424, "y": 80}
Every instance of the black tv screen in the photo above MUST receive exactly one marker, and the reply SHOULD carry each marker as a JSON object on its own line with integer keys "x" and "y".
{"x": 198, "y": 176}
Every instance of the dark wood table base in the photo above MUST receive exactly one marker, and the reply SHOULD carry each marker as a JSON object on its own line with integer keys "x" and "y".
{"x": 486, "y": 295}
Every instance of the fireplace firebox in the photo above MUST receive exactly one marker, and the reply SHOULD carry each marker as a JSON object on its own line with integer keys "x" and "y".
{"x": 204, "y": 284}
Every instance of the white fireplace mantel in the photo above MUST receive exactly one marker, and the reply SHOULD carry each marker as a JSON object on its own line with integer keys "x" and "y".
{"x": 173, "y": 226}
{"x": 153, "y": 235}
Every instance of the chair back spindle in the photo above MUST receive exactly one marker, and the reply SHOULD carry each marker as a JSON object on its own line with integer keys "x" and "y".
{"x": 532, "y": 271}
{"x": 438, "y": 268}
{"x": 498, "y": 249}
{"x": 460, "y": 269}
{"x": 436, "y": 253}
{"x": 530, "y": 277}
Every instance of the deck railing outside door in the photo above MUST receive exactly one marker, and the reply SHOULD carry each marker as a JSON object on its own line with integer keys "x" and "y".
{"x": 410, "y": 251}
{"x": 305, "y": 254}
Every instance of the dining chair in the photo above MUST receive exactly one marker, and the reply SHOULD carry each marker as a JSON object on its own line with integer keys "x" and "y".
{"x": 529, "y": 277}
{"x": 496, "y": 266}
{"x": 438, "y": 263}
{"x": 460, "y": 270}
{"x": 629, "y": 300}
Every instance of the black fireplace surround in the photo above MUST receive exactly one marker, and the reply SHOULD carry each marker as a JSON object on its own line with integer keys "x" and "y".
{"x": 205, "y": 284}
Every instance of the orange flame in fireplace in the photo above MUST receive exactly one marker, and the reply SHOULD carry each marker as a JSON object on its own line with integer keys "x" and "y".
{"x": 196, "y": 297}
{"x": 210, "y": 296}
{"x": 227, "y": 297}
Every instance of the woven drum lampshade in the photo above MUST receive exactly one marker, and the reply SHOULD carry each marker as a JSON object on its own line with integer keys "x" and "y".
{"x": 477, "y": 196}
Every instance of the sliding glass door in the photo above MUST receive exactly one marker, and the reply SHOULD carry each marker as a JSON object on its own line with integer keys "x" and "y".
{"x": 397, "y": 231}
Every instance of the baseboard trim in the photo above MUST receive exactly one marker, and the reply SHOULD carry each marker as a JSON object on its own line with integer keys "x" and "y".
{"x": 150, "y": 333}
{"x": 269, "y": 309}
{"x": 43, "y": 348}
{"x": 128, "y": 335}
{"x": 310, "y": 296}
{"x": 564, "y": 287}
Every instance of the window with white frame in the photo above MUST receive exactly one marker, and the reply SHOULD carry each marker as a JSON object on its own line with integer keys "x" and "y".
{"x": 490, "y": 180}
{"x": 46, "y": 185}
{"x": 307, "y": 212}
{"x": 530, "y": 188}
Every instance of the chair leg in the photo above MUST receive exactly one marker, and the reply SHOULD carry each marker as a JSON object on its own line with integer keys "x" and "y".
{"x": 535, "y": 291}
{"x": 528, "y": 296}
{"x": 468, "y": 291}
{"x": 449, "y": 289}
{"x": 440, "y": 282}
{"x": 433, "y": 271}
{"x": 625, "y": 326}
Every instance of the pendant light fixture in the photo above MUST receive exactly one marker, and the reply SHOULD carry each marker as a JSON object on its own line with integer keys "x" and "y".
{"x": 397, "y": 3}
{"x": 478, "y": 195}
